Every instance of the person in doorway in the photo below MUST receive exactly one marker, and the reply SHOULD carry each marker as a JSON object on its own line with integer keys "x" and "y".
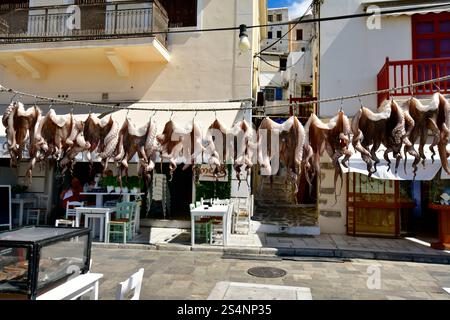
{"x": 72, "y": 193}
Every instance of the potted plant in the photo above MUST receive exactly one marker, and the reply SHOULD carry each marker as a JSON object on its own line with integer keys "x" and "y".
{"x": 135, "y": 184}
{"x": 18, "y": 189}
{"x": 110, "y": 182}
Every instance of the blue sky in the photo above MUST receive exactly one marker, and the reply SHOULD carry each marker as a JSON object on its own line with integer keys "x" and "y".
{"x": 279, "y": 3}
{"x": 296, "y": 7}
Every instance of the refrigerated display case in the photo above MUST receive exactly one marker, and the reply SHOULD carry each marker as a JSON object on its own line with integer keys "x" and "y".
{"x": 34, "y": 260}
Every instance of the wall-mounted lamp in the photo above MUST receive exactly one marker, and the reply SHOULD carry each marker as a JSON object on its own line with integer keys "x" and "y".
{"x": 244, "y": 43}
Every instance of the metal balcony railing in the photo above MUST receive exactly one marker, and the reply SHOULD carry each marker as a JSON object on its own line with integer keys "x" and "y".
{"x": 395, "y": 74}
{"x": 96, "y": 21}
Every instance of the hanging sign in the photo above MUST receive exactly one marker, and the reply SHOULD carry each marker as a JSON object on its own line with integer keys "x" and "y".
{"x": 207, "y": 174}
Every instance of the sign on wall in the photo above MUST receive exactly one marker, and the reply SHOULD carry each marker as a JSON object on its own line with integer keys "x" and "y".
{"x": 5, "y": 207}
{"x": 207, "y": 174}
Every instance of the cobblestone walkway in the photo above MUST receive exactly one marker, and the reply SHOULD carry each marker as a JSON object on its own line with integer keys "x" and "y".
{"x": 193, "y": 275}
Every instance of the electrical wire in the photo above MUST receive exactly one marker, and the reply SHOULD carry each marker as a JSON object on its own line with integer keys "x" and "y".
{"x": 333, "y": 18}
{"x": 118, "y": 108}
{"x": 288, "y": 32}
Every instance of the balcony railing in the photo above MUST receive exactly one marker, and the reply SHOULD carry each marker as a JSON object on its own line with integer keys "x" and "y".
{"x": 395, "y": 74}
{"x": 98, "y": 21}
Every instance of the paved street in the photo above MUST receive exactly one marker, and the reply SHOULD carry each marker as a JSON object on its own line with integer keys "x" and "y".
{"x": 192, "y": 275}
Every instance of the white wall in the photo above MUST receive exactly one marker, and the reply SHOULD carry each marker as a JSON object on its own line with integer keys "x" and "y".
{"x": 283, "y": 45}
{"x": 203, "y": 66}
{"x": 351, "y": 55}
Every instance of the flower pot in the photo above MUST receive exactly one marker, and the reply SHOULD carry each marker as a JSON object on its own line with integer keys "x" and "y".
{"x": 135, "y": 190}
{"x": 118, "y": 190}
{"x": 109, "y": 189}
{"x": 125, "y": 190}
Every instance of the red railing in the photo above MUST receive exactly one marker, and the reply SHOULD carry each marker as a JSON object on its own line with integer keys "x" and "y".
{"x": 404, "y": 73}
{"x": 303, "y": 111}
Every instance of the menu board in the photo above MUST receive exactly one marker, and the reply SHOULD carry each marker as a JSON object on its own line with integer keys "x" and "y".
{"x": 5, "y": 206}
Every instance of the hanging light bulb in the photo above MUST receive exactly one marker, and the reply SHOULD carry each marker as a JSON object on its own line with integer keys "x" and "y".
{"x": 244, "y": 43}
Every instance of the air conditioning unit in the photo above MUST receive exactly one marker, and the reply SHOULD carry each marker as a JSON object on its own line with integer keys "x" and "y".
{"x": 285, "y": 84}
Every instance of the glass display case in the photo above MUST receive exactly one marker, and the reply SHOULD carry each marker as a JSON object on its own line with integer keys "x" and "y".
{"x": 34, "y": 260}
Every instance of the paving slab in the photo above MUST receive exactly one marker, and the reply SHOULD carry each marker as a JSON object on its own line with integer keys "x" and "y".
{"x": 225, "y": 290}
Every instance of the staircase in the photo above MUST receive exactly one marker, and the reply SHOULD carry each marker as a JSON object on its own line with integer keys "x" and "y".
{"x": 276, "y": 211}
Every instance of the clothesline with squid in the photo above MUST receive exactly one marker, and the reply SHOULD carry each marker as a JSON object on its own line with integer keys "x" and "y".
{"x": 299, "y": 148}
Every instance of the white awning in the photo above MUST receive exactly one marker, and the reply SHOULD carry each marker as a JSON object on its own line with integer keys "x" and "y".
{"x": 416, "y": 8}
{"x": 270, "y": 79}
{"x": 424, "y": 173}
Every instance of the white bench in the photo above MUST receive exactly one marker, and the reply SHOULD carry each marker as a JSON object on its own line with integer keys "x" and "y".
{"x": 75, "y": 288}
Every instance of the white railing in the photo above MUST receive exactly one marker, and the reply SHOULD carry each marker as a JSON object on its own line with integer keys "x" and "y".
{"x": 48, "y": 25}
{"x": 128, "y": 21}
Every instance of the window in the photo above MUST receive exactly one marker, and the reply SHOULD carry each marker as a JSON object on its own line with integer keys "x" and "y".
{"x": 182, "y": 13}
{"x": 270, "y": 18}
{"x": 283, "y": 63}
{"x": 306, "y": 91}
{"x": 269, "y": 35}
{"x": 269, "y": 94}
{"x": 299, "y": 34}
{"x": 431, "y": 35}
{"x": 279, "y": 17}
{"x": 278, "y": 34}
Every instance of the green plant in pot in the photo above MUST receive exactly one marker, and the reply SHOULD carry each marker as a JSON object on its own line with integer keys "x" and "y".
{"x": 110, "y": 183}
{"x": 135, "y": 184}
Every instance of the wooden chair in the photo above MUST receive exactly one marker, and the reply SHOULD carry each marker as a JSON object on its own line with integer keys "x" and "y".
{"x": 133, "y": 283}
{"x": 124, "y": 222}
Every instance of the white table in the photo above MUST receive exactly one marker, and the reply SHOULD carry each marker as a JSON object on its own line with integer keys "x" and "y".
{"x": 75, "y": 288}
{"x": 214, "y": 211}
{"x": 21, "y": 202}
{"x": 104, "y": 214}
{"x": 126, "y": 197}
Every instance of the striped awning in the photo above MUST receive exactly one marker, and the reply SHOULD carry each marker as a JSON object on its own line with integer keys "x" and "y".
{"x": 410, "y": 7}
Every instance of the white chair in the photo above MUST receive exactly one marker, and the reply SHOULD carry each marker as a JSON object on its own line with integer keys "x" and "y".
{"x": 133, "y": 283}
{"x": 40, "y": 209}
{"x": 70, "y": 209}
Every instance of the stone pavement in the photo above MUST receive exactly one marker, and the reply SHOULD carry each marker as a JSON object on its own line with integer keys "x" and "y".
{"x": 325, "y": 245}
{"x": 193, "y": 275}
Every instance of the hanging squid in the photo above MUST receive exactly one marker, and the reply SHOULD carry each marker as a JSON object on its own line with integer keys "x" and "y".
{"x": 388, "y": 126}
{"x": 171, "y": 141}
{"x": 245, "y": 145}
{"x": 433, "y": 118}
{"x": 20, "y": 126}
{"x": 216, "y": 147}
{"x": 334, "y": 138}
{"x": 50, "y": 138}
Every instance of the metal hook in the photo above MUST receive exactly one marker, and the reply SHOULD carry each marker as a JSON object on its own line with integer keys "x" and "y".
{"x": 12, "y": 99}
{"x": 360, "y": 101}
{"x": 154, "y": 113}
{"x": 411, "y": 89}
{"x": 195, "y": 115}
{"x": 215, "y": 114}
{"x": 438, "y": 88}
{"x": 71, "y": 109}
{"x": 171, "y": 115}
{"x": 342, "y": 105}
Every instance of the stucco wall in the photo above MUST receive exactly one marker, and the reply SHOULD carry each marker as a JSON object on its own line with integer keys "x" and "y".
{"x": 352, "y": 55}
{"x": 203, "y": 66}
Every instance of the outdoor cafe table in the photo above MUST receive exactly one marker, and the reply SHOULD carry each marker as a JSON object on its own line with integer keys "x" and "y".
{"x": 126, "y": 198}
{"x": 214, "y": 211}
{"x": 103, "y": 213}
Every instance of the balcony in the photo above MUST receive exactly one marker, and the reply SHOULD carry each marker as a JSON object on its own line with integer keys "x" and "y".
{"x": 120, "y": 32}
{"x": 395, "y": 74}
